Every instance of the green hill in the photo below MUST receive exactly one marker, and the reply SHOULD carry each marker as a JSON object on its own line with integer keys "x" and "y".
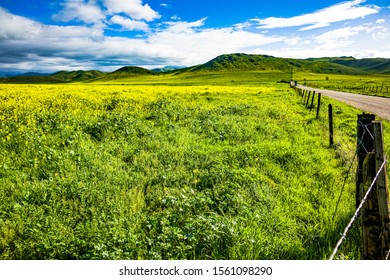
{"x": 242, "y": 62}
{"x": 133, "y": 70}
{"x": 77, "y": 76}
{"x": 247, "y": 62}
{"x": 372, "y": 65}
{"x": 227, "y": 63}
{"x": 127, "y": 72}
{"x": 31, "y": 80}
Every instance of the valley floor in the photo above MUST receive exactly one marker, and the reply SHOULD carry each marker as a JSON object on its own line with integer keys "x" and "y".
{"x": 172, "y": 172}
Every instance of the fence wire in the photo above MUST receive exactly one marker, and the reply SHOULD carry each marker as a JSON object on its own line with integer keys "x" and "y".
{"x": 342, "y": 189}
{"x": 366, "y": 130}
{"x": 344, "y": 235}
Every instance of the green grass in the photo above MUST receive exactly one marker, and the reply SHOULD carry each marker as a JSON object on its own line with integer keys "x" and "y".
{"x": 171, "y": 172}
{"x": 375, "y": 84}
{"x": 244, "y": 78}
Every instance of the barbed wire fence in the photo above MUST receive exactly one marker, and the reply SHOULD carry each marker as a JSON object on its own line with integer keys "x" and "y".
{"x": 366, "y": 147}
{"x": 355, "y": 215}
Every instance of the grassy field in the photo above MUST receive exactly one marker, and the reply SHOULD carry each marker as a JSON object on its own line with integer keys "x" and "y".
{"x": 375, "y": 85}
{"x": 178, "y": 171}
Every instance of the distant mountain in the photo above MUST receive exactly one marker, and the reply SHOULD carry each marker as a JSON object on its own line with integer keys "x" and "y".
{"x": 372, "y": 65}
{"x": 6, "y": 74}
{"x": 31, "y": 80}
{"x": 238, "y": 62}
{"x": 167, "y": 69}
{"x": 33, "y": 74}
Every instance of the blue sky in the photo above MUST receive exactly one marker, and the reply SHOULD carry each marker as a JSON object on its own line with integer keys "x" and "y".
{"x": 48, "y": 36}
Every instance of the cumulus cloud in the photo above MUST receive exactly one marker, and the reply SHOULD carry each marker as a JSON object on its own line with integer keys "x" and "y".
{"x": 129, "y": 24}
{"x": 130, "y": 14}
{"x": 30, "y": 45}
{"x": 133, "y": 8}
{"x": 183, "y": 26}
{"x": 17, "y": 27}
{"x": 338, "y": 34}
{"x": 88, "y": 12}
{"x": 377, "y": 32}
{"x": 321, "y": 18}
{"x": 176, "y": 43}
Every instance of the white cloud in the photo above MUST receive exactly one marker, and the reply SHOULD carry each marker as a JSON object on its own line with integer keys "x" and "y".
{"x": 184, "y": 26}
{"x": 130, "y": 14}
{"x": 133, "y": 8}
{"x": 178, "y": 43}
{"x": 242, "y": 26}
{"x": 17, "y": 27}
{"x": 129, "y": 24}
{"x": 31, "y": 45}
{"x": 13, "y": 27}
{"x": 338, "y": 34}
{"x": 321, "y": 18}
{"x": 381, "y": 21}
{"x": 175, "y": 17}
{"x": 380, "y": 33}
{"x": 189, "y": 44}
{"x": 88, "y": 12}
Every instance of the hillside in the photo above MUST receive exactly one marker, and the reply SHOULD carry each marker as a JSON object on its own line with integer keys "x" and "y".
{"x": 247, "y": 62}
{"x": 372, "y": 65}
{"x": 31, "y": 80}
{"x": 127, "y": 72}
{"x": 77, "y": 76}
{"x": 227, "y": 63}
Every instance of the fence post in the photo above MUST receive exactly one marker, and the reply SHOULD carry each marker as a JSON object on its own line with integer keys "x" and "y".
{"x": 375, "y": 211}
{"x": 381, "y": 189}
{"x": 330, "y": 113}
{"x": 318, "y": 105}
{"x": 312, "y": 100}
{"x": 308, "y": 98}
{"x": 364, "y": 146}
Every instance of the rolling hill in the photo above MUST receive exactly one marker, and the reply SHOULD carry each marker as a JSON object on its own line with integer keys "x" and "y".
{"x": 77, "y": 76}
{"x": 372, "y": 65}
{"x": 227, "y": 63}
{"x": 127, "y": 72}
{"x": 247, "y": 62}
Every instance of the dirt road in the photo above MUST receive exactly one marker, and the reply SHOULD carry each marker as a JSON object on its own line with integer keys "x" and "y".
{"x": 378, "y": 106}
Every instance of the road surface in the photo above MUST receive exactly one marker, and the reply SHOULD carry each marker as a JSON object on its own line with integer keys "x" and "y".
{"x": 379, "y": 106}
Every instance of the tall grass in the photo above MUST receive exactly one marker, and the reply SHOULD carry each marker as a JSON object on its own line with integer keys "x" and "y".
{"x": 161, "y": 172}
{"x": 375, "y": 85}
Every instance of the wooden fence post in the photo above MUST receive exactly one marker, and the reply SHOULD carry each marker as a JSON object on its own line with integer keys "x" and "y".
{"x": 375, "y": 211}
{"x": 318, "y": 105}
{"x": 330, "y": 114}
{"x": 312, "y": 101}
{"x": 308, "y": 98}
{"x": 381, "y": 190}
{"x": 364, "y": 146}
